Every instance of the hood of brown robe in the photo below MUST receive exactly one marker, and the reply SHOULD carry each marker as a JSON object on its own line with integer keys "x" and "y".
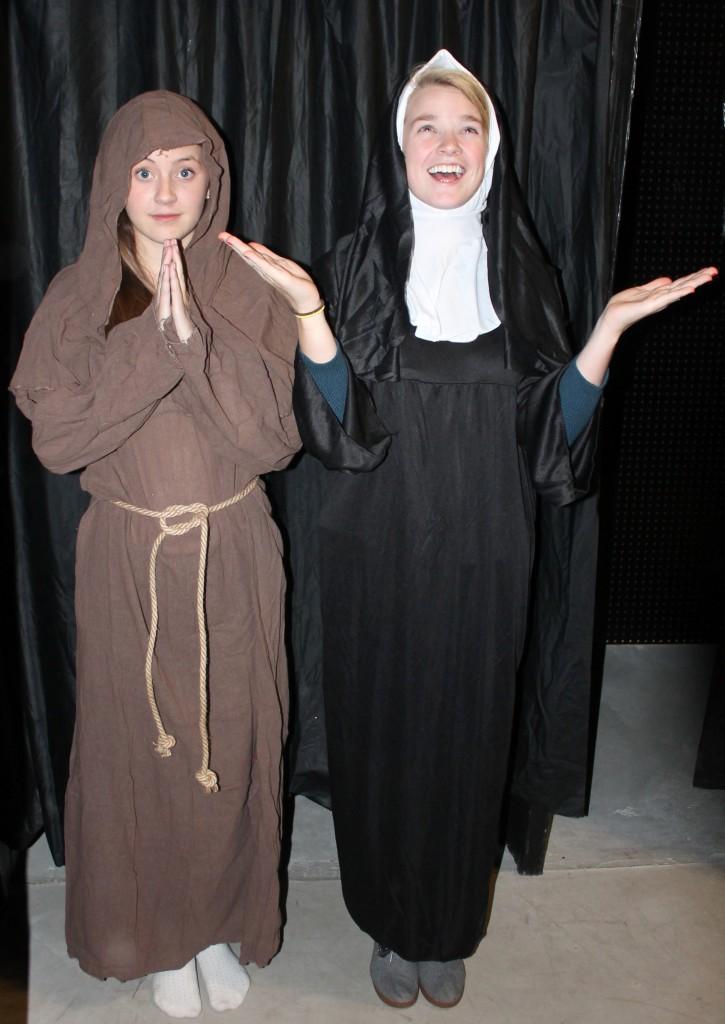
{"x": 151, "y": 121}
{"x": 240, "y": 308}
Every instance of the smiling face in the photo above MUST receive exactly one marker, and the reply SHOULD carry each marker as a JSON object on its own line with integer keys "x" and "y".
{"x": 166, "y": 198}
{"x": 444, "y": 145}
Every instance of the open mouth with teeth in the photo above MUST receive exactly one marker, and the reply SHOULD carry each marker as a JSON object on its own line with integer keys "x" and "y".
{"x": 446, "y": 173}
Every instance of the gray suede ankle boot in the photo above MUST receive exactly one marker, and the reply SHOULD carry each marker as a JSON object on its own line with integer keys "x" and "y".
{"x": 395, "y": 980}
{"x": 442, "y": 983}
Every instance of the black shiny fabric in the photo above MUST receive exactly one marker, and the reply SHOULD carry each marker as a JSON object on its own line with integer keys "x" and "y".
{"x": 710, "y": 764}
{"x": 298, "y": 90}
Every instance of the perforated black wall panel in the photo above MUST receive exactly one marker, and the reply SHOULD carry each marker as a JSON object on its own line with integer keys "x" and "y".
{"x": 663, "y": 508}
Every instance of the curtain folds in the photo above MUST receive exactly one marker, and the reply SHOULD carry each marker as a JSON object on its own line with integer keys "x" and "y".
{"x": 298, "y": 89}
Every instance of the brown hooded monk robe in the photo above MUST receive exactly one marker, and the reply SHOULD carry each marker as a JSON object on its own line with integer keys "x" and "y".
{"x": 173, "y": 807}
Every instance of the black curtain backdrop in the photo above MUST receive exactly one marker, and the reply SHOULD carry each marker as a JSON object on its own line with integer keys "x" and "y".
{"x": 663, "y": 571}
{"x": 297, "y": 88}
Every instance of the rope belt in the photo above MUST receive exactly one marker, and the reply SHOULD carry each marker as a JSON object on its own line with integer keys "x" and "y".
{"x": 199, "y": 519}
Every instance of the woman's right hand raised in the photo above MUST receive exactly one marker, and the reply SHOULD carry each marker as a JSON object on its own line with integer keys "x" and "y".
{"x": 289, "y": 279}
{"x": 298, "y": 288}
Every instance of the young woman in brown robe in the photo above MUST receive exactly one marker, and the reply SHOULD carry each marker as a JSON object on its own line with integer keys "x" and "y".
{"x": 161, "y": 366}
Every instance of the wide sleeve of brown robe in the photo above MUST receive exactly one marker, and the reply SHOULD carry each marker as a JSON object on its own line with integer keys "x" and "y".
{"x": 87, "y": 393}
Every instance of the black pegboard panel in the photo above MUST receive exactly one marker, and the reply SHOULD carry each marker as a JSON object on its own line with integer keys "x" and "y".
{"x": 663, "y": 508}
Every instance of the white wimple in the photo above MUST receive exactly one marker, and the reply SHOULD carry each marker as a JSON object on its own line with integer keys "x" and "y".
{"x": 447, "y": 292}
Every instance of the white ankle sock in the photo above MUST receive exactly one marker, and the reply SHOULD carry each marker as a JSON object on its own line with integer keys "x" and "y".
{"x": 226, "y": 980}
{"x": 177, "y": 992}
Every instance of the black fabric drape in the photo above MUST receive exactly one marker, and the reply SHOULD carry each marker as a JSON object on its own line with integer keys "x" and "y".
{"x": 710, "y": 764}
{"x": 298, "y": 89}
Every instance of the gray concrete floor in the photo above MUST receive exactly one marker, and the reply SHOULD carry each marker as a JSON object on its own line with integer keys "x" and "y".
{"x": 627, "y": 923}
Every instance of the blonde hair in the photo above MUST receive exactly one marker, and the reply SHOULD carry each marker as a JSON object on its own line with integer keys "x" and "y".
{"x": 461, "y": 80}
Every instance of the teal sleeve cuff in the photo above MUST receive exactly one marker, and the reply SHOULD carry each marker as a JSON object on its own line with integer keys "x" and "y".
{"x": 579, "y": 398}
{"x": 331, "y": 379}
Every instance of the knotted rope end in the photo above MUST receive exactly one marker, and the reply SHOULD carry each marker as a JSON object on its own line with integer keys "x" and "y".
{"x": 208, "y": 779}
{"x": 163, "y": 744}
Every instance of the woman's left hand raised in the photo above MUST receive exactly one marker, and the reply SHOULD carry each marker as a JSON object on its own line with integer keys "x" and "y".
{"x": 633, "y": 304}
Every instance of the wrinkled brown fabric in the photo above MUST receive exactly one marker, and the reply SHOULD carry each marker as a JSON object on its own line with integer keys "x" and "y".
{"x": 157, "y": 869}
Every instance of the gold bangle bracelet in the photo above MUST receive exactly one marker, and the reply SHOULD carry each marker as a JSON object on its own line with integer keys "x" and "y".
{"x": 313, "y": 312}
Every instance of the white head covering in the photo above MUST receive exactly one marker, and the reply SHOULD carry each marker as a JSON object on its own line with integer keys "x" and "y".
{"x": 447, "y": 293}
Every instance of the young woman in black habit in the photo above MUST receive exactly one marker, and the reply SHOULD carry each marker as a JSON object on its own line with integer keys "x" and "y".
{"x": 442, "y": 378}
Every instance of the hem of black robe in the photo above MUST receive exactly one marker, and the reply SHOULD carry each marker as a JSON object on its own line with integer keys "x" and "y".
{"x": 428, "y": 953}
{"x": 418, "y": 953}
{"x": 568, "y": 799}
{"x": 313, "y": 785}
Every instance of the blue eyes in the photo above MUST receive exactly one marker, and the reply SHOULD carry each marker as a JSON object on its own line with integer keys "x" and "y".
{"x": 186, "y": 174}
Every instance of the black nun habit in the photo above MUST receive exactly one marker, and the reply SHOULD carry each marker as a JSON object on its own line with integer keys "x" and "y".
{"x": 425, "y": 520}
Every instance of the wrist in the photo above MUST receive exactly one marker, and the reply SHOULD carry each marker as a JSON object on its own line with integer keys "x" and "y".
{"x": 309, "y": 306}
{"x": 606, "y": 334}
{"x": 311, "y": 315}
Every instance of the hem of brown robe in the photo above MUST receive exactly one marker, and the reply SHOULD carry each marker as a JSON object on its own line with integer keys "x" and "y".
{"x": 90, "y": 965}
